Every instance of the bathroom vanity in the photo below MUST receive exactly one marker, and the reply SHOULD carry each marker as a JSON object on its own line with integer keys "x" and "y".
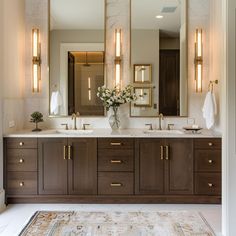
{"x": 102, "y": 167}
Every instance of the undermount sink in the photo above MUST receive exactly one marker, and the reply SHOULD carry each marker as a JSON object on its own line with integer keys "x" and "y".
{"x": 78, "y": 131}
{"x": 156, "y": 131}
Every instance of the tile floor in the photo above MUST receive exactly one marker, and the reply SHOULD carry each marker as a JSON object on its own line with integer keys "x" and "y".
{"x": 16, "y": 216}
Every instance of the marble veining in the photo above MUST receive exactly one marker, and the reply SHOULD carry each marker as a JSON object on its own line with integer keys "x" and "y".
{"x": 125, "y": 133}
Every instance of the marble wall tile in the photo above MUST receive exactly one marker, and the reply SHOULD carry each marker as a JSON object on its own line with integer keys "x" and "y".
{"x": 118, "y": 16}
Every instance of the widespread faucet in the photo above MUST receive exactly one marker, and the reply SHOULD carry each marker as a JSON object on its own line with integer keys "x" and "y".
{"x": 73, "y": 117}
{"x": 161, "y": 117}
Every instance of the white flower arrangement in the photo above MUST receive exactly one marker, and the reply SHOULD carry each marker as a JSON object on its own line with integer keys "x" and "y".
{"x": 114, "y": 98}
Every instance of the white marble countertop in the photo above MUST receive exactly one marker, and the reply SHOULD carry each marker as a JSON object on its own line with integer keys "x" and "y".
{"x": 108, "y": 133}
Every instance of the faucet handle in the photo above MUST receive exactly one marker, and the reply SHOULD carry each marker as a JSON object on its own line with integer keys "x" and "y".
{"x": 84, "y": 126}
{"x": 150, "y": 126}
{"x": 169, "y": 126}
{"x": 66, "y": 126}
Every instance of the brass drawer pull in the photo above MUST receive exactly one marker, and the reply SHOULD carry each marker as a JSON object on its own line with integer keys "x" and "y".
{"x": 162, "y": 152}
{"x": 167, "y": 152}
{"x": 64, "y": 153}
{"x": 116, "y": 161}
{"x": 21, "y": 160}
{"x": 210, "y": 185}
{"x": 115, "y": 184}
{"x": 210, "y": 161}
{"x": 21, "y": 143}
{"x": 116, "y": 144}
{"x": 210, "y": 144}
{"x": 22, "y": 184}
{"x": 69, "y": 152}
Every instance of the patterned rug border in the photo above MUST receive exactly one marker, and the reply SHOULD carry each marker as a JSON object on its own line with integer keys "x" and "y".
{"x": 34, "y": 216}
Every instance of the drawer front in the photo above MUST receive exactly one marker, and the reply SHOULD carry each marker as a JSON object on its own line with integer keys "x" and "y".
{"x": 115, "y": 183}
{"x": 208, "y": 183}
{"x": 22, "y": 160}
{"x": 115, "y": 160}
{"x": 21, "y": 183}
{"x": 208, "y": 160}
{"x": 207, "y": 143}
{"x": 115, "y": 143}
{"x": 21, "y": 143}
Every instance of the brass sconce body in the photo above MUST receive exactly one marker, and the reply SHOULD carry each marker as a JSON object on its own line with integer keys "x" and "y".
{"x": 118, "y": 59}
{"x": 36, "y": 61}
{"x": 198, "y": 60}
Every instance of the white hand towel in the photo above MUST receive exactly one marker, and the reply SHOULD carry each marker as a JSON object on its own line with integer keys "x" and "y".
{"x": 209, "y": 110}
{"x": 56, "y": 102}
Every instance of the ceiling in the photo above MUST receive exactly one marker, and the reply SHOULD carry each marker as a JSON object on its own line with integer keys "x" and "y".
{"x": 76, "y": 14}
{"x": 89, "y": 14}
{"x": 144, "y": 14}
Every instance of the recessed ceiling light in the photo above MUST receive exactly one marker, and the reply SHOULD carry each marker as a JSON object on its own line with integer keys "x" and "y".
{"x": 159, "y": 16}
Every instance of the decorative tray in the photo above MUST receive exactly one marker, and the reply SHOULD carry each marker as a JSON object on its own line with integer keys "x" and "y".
{"x": 193, "y": 130}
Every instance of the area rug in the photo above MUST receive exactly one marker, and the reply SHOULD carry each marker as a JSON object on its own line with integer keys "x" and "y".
{"x": 161, "y": 223}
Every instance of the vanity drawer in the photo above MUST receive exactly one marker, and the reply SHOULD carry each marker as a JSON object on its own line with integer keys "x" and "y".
{"x": 115, "y": 160}
{"x": 22, "y": 160}
{"x": 21, "y": 143}
{"x": 21, "y": 183}
{"x": 115, "y": 143}
{"x": 208, "y": 160}
{"x": 207, "y": 143}
{"x": 115, "y": 183}
{"x": 208, "y": 183}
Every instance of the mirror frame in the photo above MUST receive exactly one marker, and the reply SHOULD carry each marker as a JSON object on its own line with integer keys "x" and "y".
{"x": 48, "y": 64}
{"x": 186, "y": 69}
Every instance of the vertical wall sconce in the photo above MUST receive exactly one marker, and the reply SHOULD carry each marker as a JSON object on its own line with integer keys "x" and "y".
{"x": 198, "y": 60}
{"x": 118, "y": 58}
{"x": 36, "y": 60}
{"x": 89, "y": 89}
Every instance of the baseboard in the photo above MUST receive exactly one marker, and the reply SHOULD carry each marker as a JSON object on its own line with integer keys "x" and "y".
{"x": 2, "y": 200}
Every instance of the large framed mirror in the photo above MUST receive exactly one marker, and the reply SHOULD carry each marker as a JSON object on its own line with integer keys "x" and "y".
{"x": 77, "y": 56}
{"x": 159, "y": 39}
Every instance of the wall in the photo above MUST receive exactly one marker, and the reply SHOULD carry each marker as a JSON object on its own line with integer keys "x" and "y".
{"x": 12, "y": 72}
{"x": 68, "y": 36}
{"x": 145, "y": 50}
{"x": 1, "y": 122}
{"x": 117, "y": 17}
{"x": 13, "y": 63}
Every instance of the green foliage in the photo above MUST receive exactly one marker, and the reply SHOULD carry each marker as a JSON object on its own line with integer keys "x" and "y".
{"x": 36, "y": 117}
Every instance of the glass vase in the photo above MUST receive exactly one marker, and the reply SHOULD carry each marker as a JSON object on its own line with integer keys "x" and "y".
{"x": 114, "y": 119}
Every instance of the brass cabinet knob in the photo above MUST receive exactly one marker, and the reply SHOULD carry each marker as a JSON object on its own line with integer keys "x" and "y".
{"x": 210, "y": 161}
{"x": 210, "y": 144}
{"x": 22, "y": 184}
{"x": 210, "y": 185}
{"x": 21, "y": 160}
{"x": 21, "y": 143}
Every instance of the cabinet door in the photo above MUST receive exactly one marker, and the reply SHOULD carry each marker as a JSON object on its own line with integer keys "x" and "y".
{"x": 149, "y": 167}
{"x": 52, "y": 166}
{"x": 82, "y": 171}
{"x": 179, "y": 166}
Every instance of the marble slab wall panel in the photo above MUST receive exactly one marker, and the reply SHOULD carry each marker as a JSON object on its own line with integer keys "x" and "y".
{"x": 118, "y": 16}
{"x": 36, "y": 16}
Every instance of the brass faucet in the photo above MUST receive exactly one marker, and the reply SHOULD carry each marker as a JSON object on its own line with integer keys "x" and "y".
{"x": 161, "y": 117}
{"x": 73, "y": 117}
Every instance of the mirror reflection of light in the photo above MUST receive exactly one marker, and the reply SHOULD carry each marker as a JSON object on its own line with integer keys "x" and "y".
{"x": 142, "y": 71}
{"x": 89, "y": 89}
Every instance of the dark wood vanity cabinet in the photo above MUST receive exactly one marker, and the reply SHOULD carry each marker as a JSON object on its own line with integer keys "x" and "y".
{"x": 112, "y": 170}
{"x": 164, "y": 166}
{"x": 67, "y": 166}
